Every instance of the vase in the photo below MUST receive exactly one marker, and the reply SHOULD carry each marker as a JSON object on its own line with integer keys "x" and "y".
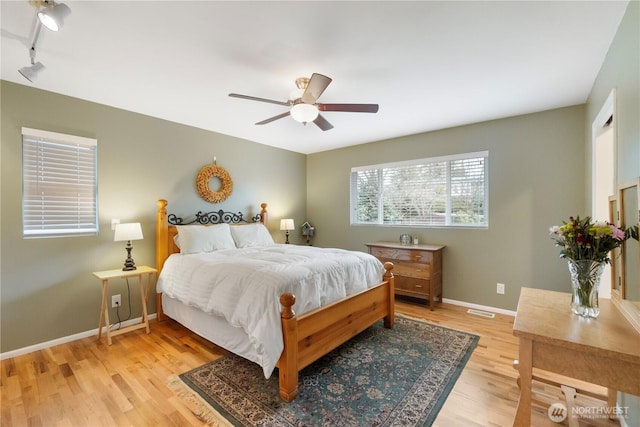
{"x": 585, "y": 281}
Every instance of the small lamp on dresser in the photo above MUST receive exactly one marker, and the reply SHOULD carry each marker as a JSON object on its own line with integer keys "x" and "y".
{"x": 287, "y": 225}
{"x": 128, "y": 232}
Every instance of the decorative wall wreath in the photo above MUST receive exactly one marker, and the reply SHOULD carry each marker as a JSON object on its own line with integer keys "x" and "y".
{"x": 203, "y": 179}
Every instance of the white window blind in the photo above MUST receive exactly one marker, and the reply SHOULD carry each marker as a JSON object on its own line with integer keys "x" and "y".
{"x": 443, "y": 191}
{"x": 59, "y": 184}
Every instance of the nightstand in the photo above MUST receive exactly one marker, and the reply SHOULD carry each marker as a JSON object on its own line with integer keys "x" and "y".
{"x": 104, "y": 276}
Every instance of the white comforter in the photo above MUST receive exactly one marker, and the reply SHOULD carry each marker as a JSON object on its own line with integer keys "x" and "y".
{"x": 244, "y": 286}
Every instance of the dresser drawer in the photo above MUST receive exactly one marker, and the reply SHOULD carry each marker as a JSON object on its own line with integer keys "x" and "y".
{"x": 412, "y": 285}
{"x": 411, "y": 269}
{"x": 411, "y": 255}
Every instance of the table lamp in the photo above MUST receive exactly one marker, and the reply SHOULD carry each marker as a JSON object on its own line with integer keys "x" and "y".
{"x": 287, "y": 224}
{"x": 128, "y": 232}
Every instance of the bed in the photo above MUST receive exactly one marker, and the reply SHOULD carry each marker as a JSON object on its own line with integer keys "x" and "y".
{"x": 285, "y": 340}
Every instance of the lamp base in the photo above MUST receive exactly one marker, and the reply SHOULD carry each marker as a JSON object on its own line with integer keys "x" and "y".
{"x": 287, "y": 234}
{"x": 128, "y": 263}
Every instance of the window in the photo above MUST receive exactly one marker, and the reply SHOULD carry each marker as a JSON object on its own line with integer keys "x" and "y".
{"x": 442, "y": 191}
{"x": 59, "y": 184}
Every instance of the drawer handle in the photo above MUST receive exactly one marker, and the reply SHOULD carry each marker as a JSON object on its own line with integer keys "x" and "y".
{"x": 417, "y": 257}
{"x": 418, "y": 286}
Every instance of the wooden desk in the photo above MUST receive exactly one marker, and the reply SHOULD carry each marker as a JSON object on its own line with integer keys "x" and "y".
{"x": 104, "y": 277}
{"x": 603, "y": 351}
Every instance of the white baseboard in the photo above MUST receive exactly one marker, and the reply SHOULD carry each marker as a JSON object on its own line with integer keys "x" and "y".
{"x": 41, "y": 346}
{"x": 63, "y": 340}
{"x": 480, "y": 307}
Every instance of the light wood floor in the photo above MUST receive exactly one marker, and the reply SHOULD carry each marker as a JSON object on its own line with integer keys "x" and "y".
{"x": 88, "y": 383}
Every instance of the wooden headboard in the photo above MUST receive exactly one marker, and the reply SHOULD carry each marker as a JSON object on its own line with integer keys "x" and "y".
{"x": 166, "y": 227}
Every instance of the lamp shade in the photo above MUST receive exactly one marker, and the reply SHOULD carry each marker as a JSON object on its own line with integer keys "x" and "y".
{"x": 128, "y": 231}
{"x": 53, "y": 16}
{"x": 287, "y": 224}
{"x": 304, "y": 113}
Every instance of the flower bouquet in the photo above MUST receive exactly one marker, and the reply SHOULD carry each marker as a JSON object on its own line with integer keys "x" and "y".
{"x": 586, "y": 245}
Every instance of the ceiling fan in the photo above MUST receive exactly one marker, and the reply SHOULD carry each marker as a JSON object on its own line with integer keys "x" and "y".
{"x": 304, "y": 107}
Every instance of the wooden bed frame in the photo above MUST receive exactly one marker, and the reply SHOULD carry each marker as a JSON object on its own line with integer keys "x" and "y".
{"x": 309, "y": 336}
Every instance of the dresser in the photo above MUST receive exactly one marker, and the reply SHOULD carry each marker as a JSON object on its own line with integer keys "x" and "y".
{"x": 417, "y": 268}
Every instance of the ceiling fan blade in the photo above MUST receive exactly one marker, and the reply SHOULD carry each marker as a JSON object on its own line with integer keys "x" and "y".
{"x": 352, "y": 108}
{"x": 254, "y": 98}
{"x": 317, "y": 84}
{"x": 272, "y": 119}
{"x": 322, "y": 123}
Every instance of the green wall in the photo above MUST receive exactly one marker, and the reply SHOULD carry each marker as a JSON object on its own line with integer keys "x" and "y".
{"x": 536, "y": 170}
{"x": 47, "y": 290}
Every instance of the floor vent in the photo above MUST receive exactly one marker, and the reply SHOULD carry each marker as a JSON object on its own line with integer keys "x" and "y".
{"x": 481, "y": 313}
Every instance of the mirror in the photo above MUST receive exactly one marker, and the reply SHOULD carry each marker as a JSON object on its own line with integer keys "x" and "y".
{"x": 627, "y": 293}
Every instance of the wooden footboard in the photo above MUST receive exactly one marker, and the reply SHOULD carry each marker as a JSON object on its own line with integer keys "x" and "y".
{"x": 312, "y": 335}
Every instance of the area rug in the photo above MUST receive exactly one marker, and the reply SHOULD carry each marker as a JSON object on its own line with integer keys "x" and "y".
{"x": 382, "y": 377}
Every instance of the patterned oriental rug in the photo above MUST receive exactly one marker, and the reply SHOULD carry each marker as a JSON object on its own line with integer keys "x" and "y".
{"x": 382, "y": 377}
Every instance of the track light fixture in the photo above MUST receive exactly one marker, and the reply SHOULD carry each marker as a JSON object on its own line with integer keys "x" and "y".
{"x": 51, "y": 15}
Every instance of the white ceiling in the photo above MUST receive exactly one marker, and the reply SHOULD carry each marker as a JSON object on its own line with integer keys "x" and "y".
{"x": 429, "y": 65}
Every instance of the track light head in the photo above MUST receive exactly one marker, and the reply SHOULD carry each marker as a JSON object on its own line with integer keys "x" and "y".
{"x": 52, "y": 14}
{"x": 31, "y": 72}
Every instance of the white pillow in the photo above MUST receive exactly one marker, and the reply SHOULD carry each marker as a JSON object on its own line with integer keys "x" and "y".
{"x": 250, "y": 235}
{"x": 193, "y": 239}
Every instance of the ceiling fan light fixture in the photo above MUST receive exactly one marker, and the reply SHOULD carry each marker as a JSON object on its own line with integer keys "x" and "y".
{"x": 304, "y": 113}
{"x": 52, "y": 15}
{"x": 304, "y": 105}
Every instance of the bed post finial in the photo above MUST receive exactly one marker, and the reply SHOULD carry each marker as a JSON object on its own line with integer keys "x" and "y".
{"x": 287, "y": 300}
{"x": 263, "y": 213}
{"x": 388, "y": 266}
